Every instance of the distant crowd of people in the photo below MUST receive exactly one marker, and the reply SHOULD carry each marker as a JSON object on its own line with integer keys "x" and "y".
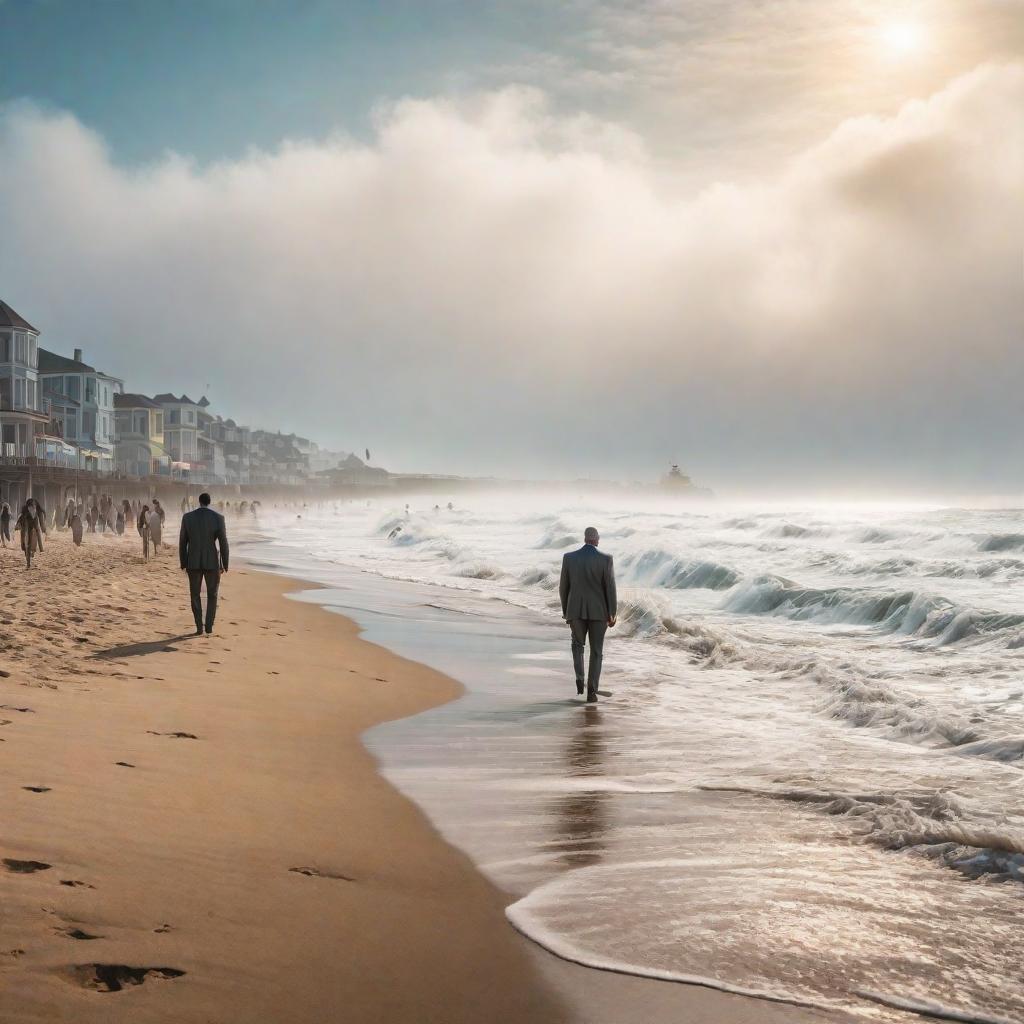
{"x": 100, "y": 513}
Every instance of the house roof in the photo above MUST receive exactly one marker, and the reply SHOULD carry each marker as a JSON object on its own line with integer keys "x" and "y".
{"x": 51, "y": 362}
{"x": 167, "y": 398}
{"x": 8, "y": 318}
{"x": 133, "y": 401}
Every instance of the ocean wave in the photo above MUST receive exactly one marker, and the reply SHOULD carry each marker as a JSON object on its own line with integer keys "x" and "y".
{"x": 872, "y": 703}
{"x": 794, "y": 531}
{"x": 930, "y": 824}
{"x": 1002, "y": 542}
{"x": 546, "y": 579}
{"x": 525, "y": 916}
{"x": 740, "y": 524}
{"x": 479, "y": 571}
{"x": 874, "y": 535}
{"x": 908, "y": 611}
{"x": 645, "y": 616}
{"x": 559, "y": 536}
{"x": 532, "y": 917}
{"x": 656, "y": 567}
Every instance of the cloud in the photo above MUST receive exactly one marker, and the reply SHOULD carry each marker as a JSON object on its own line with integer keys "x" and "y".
{"x": 489, "y": 285}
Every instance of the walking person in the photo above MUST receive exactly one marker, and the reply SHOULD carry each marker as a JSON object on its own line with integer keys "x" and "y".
{"x": 203, "y": 551}
{"x": 75, "y": 522}
{"x": 143, "y": 528}
{"x": 5, "y": 523}
{"x": 156, "y": 526}
{"x": 589, "y": 606}
{"x": 32, "y": 524}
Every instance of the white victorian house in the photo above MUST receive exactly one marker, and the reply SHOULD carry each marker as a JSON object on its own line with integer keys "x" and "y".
{"x": 23, "y": 416}
{"x": 81, "y": 400}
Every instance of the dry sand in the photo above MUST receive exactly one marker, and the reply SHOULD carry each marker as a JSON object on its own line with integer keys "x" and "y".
{"x": 192, "y": 831}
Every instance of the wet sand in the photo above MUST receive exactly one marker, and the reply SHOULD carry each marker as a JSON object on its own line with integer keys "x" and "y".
{"x": 193, "y": 831}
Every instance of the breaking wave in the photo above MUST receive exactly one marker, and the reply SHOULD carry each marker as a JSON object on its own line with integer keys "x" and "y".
{"x": 935, "y": 825}
{"x": 1002, "y": 542}
{"x": 907, "y": 611}
{"x": 656, "y": 567}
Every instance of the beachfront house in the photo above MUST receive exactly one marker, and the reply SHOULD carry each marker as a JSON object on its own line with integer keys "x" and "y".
{"x": 278, "y": 458}
{"x": 181, "y": 430}
{"x": 23, "y": 414}
{"x": 81, "y": 404}
{"x": 140, "y": 447}
{"x": 212, "y": 465}
{"x": 237, "y": 443}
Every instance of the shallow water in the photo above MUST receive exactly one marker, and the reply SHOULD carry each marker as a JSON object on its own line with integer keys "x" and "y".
{"x": 807, "y": 781}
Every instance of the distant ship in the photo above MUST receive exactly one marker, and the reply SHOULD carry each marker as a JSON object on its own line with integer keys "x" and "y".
{"x": 675, "y": 481}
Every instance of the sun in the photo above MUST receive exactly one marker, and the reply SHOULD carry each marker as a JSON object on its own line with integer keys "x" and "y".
{"x": 902, "y": 38}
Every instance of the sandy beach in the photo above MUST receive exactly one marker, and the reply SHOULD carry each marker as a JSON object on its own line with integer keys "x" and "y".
{"x": 194, "y": 833}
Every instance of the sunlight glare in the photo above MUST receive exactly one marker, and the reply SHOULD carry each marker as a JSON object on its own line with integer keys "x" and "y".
{"x": 901, "y": 39}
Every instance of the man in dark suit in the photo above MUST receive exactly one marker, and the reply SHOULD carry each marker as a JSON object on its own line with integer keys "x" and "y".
{"x": 589, "y": 604}
{"x": 202, "y": 533}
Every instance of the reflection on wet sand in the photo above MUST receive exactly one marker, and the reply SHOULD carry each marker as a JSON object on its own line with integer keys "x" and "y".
{"x": 580, "y": 818}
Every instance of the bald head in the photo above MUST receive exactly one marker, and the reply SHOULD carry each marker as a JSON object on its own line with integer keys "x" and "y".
{"x": 591, "y": 536}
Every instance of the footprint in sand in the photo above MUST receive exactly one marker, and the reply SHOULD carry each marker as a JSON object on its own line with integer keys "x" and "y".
{"x": 317, "y": 873}
{"x": 114, "y": 977}
{"x": 24, "y": 711}
{"x": 124, "y": 764}
{"x": 37, "y": 789}
{"x": 76, "y": 933}
{"x": 174, "y": 735}
{"x": 74, "y": 883}
{"x": 25, "y": 867}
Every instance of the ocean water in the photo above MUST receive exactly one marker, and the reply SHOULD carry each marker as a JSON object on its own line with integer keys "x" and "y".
{"x": 808, "y": 781}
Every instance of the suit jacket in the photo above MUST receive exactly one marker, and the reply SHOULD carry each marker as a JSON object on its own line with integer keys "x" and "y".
{"x": 202, "y": 531}
{"x": 587, "y": 586}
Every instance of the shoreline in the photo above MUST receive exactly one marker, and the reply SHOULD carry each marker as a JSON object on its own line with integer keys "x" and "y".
{"x": 241, "y": 833}
{"x": 237, "y": 832}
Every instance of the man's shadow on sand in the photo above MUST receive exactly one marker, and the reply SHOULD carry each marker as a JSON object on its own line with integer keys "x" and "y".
{"x": 146, "y": 647}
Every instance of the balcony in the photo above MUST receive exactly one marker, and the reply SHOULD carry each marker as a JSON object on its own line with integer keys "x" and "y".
{"x": 7, "y": 404}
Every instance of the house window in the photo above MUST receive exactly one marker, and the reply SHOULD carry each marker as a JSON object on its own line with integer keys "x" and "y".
{"x": 5, "y": 348}
{"x": 90, "y": 389}
{"x": 159, "y": 423}
{"x": 71, "y": 424}
{"x": 172, "y": 415}
{"x": 89, "y": 424}
{"x": 31, "y": 393}
{"x": 73, "y": 387}
{"x": 19, "y": 392}
{"x": 32, "y": 359}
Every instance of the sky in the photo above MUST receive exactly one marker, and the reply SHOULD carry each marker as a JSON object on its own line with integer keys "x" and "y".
{"x": 779, "y": 243}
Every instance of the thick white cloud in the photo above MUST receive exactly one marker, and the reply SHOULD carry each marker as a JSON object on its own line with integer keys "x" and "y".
{"x": 491, "y": 286}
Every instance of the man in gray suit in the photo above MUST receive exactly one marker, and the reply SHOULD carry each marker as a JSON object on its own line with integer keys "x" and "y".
{"x": 589, "y": 604}
{"x": 202, "y": 533}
